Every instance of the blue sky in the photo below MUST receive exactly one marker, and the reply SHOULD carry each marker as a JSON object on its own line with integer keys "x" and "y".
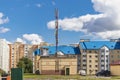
{"x": 32, "y": 21}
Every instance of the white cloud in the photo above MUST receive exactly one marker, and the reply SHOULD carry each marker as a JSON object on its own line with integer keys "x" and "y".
{"x": 109, "y": 34}
{"x": 33, "y": 38}
{"x": 106, "y": 24}
{"x": 4, "y": 30}
{"x": 3, "y": 20}
{"x": 20, "y": 40}
{"x": 30, "y": 39}
{"x": 39, "y": 5}
{"x": 75, "y": 24}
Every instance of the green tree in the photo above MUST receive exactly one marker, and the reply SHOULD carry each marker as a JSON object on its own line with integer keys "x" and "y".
{"x": 26, "y": 64}
{"x": 2, "y": 71}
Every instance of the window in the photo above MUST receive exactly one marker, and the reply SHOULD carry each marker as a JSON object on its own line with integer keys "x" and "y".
{"x": 96, "y": 60}
{"x": 102, "y": 55}
{"x": 90, "y": 71}
{"x": 84, "y": 55}
{"x": 117, "y": 51}
{"x": 96, "y": 70}
{"x": 111, "y": 56}
{"x": 84, "y": 65}
{"x": 107, "y": 50}
{"x": 96, "y": 56}
{"x": 90, "y": 51}
{"x": 106, "y": 60}
{"x": 96, "y": 66}
{"x": 90, "y": 56}
{"x": 84, "y": 60}
{"x": 102, "y": 65}
{"x": 102, "y": 60}
{"x": 106, "y": 65}
{"x": 95, "y": 51}
{"x": 102, "y": 50}
{"x": 90, "y": 61}
{"x": 90, "y": 66}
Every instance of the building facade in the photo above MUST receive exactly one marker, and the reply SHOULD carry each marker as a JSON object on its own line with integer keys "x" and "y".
{"x": 98, "y": 55}
{"x": 115, "y": 67}
{"x": 64, "y": 62}
{"x": 104, "y": 60}
{"x": 19, "y": 50}
{"x": 58, "y": 65}
{"x": 4, "y": 55}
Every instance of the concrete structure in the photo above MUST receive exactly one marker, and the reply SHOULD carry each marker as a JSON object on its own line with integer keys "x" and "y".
{"x": 4, "y": 55}
{"x": 115, "y": 68}
{"x": 58, "y": 65}
{"x": 64, "y": 62}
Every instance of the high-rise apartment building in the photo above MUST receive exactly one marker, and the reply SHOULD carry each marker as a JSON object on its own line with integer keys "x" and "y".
{"x": 4, "y": 55}
{"x": 19, "y": 50}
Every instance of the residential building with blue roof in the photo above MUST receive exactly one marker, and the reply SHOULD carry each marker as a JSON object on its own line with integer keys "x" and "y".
{"x": 97, "y": 55}
{"x": 90, "y": 56}
{"x": 52, "y": 62}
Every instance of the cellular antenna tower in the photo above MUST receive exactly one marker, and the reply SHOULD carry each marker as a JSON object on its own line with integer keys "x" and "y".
{"x": 56, "y": 29}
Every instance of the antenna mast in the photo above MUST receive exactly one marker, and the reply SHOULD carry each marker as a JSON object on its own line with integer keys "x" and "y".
{"x": 56, "y": 29}
{"x": 56, "y": 38}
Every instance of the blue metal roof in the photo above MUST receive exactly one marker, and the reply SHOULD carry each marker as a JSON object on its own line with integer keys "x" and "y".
{"x": 99, "y": 44}
{"x": 63, "y": 49}
{"x": 37, "y": 52}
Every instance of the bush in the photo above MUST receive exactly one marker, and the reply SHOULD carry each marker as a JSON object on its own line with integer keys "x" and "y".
{"x": 4, "y": 74}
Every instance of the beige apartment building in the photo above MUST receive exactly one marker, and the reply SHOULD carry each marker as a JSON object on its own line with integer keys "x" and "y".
{"x": 19, "y": 50}
{"x": 92, "y": 62}
{"x": 14, "y": 54}
{"x": 114, "y": 55}
{"x": 89, "y": 61}
{"x": 98, "y": 55}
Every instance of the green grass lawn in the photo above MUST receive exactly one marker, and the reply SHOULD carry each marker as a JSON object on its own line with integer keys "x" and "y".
{"x": 116, "y": 77}
{"x": 74, "y": 77}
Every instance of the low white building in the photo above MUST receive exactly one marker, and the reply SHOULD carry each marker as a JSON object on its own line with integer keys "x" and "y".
{"x": 4, "y": 55}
